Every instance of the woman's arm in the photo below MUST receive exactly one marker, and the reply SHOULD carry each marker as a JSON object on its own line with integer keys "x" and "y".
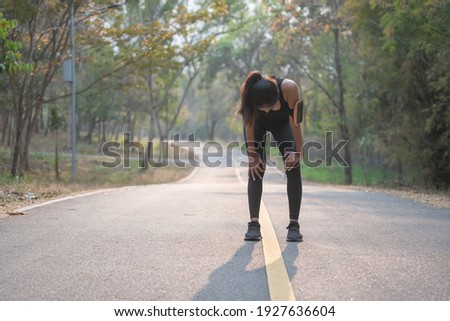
{"x": 291, "y": 93}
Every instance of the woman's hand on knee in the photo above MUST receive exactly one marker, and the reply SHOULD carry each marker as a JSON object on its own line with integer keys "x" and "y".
{"x": 256, "y": 166}
{"x": 292, "y": 160}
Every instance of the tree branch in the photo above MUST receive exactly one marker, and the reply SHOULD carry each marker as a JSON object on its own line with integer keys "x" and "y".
{"x": 315, "y": 81}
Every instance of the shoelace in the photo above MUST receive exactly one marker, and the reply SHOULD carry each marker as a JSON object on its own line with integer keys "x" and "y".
{"x": 253, "y": 224}
{"x": 293, "y": 226}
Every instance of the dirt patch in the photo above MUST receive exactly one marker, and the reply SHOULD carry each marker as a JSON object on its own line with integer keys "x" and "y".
{"x": 12, "y": 201}
{"x": 16, "y": 196}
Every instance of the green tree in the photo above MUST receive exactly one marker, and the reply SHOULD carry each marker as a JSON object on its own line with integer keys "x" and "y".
{"x": 243, "y": 48}
{"x": 405, "y": 49}
{"x": 299, "y": 27}
{"x": 12, "y": 63}
{"x": 40, "y": 29}
{"x": 215, "y": 104}
{"x": 183, "y": 36}
{"x": 246, "y": 46}
{"x": 43, "y": 29}
{"x": 11, "y": 60}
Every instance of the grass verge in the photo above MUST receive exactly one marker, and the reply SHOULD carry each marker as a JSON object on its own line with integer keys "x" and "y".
{"x": 375, "y": 180}
{"x": 40, "y": 184}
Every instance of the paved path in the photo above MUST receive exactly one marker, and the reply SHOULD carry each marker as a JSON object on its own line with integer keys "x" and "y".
{"x": 184, "y": 241}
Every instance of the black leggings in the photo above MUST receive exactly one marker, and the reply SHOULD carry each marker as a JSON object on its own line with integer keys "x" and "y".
{"x": 282, "y": 133}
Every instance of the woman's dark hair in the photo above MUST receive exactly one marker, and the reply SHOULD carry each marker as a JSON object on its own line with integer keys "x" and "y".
{"x": 257, "y": 91}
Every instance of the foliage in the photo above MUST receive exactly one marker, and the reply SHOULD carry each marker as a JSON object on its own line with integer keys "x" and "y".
{"x": 167, "y": 41}
{"x": 11, "y": 60}
{"x": 377, "y": 72}
{"x": 56, "y": 118}
{"x": 312, "y": 37}
{"x": 405, "y": 48}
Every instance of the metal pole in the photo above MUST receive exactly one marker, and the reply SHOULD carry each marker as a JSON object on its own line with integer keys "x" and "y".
{"x": 74, "y": 110}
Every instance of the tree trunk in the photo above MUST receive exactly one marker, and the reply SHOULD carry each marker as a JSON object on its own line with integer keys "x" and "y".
{"x": 113, "y": 130}
{"x": 102, "y": 139}
{"x": 41, "y": 121}
{"x": 91, "y": 128}
{"x": 16, "y": 150}
{"x": 212, "y": 129}
{"x": 118, "y": 132}
{"x": 31, "y": 124}
{"x": 5, "y": 125}
{"x": 57, "y": 156}
{"x": 171, "y": 123}
{"x": 341, "y": 107}
{"x": 10, "y": 130}
{"x": 152, "y": 130}
{"x": 18, "y": 108}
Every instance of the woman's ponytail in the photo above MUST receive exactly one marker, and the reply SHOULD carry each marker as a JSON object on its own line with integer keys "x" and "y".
{"x": 246, "y": 109}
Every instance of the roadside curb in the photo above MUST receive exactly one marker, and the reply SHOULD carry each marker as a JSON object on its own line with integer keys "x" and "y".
{"x": 57, "y": 200}
{"x": 30, "y": 207}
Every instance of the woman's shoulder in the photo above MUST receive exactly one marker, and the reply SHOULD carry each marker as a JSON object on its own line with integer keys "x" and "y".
{"x": 290, "y": 89}
{"x": 288, "y": 84}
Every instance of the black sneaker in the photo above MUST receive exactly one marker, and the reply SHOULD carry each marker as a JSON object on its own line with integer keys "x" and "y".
{"x": 294, "y": 234}
{"x": 253, "y": 232}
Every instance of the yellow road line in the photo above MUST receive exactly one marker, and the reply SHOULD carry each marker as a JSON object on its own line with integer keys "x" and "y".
{"x": 280, "y": 288}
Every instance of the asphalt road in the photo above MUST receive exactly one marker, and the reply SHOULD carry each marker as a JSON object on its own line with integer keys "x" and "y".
{"x": 184, "y": 241}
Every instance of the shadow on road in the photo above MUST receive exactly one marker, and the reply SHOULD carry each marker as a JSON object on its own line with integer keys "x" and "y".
{"x": 290, "y": 255}
{"x": 235, "y": 281}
